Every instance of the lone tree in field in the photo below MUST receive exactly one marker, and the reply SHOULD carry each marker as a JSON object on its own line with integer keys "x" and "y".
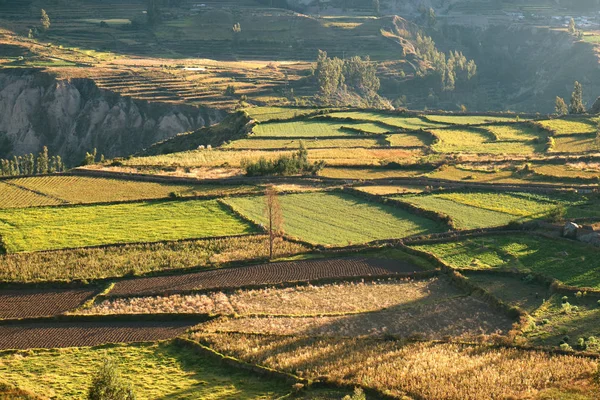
{"x": 107, "y": 384}
{"x": 577, "y": 106}
{"x": 560, "y": 106}
{"x": 572, "y": 27}
{"x": 45, "y": 20}
{"x": 273, "y": 212}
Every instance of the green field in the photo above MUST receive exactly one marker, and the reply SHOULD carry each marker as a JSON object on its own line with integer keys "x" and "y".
{"x": 472, "y": 140}
{"x": 368, "y": 173}
{"x": 81, "y": 189}
{"x": 263, "y": 114}
{"x": 409, "y": 140}
{"x": 571, "y": 262}
{"x": 155, "y": 371}
{"x": 518, "y": 133}
{"x": 400, "y": 121}
{"x": 576, "y": 143}
{"x": 64, "y": 227}
{"x": 570, "y": 126}
{"x": 467, "y": 119}
{"x": 15, "y": 197}
{"x": 337, "y": 219}
{"x": 312, "y": 128}
{"x": 464, "y": 216}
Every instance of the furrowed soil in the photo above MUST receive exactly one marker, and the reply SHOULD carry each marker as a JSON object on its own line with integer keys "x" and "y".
{"x": 40, "y": 303}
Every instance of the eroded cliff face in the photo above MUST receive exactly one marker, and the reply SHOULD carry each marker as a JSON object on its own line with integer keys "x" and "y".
{"x": 75, "y": 116}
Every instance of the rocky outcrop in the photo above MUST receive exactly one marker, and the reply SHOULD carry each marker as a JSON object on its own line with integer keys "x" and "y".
{"x": 75, "y": 116}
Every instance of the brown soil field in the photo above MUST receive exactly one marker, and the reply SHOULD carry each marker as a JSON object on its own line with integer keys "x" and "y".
{"x": 78, "y": 334}
{"x": 41, "y": 303}
{"x": 295, "y": 271}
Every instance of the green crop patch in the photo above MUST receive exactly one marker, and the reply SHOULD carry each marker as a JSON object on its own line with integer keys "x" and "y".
{"x": 65, "y": 227}
{"x": 315, "y": 128}
{"x": 81, "y": 189}
{"x": 309, "y": 143}
{"x": 570, "y": 127}
{"x": 16, "y": 197}
{"x": 571, "y": 262}
{"x": 154, "y": 371}
{"x": 263, "y": 114}
{"x": 337, "y": 219}
{"x": 400, "y": 121}
{"x": 471, "y": 140}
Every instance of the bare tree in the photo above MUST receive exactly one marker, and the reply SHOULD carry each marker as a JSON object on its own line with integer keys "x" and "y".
{"x": 274, "y": 216}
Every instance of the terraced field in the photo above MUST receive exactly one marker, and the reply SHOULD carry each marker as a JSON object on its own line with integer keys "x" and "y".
{"x": 27, "y": 303}
{"x": 138, "y": 259}
{"x": 265, "y": 274}
{"x": 468, "y": 119}
{"x": 465, "y": 140}
{"x": 263, "y": 114}
{"x": 316, "y": 128}
{"x": 15, "y": 197}
{"x": 50, "y": 335}
{"x": 312, "y": 143}
{"x": 570, "y": 262}
{"x": 570, "y": 126}
{"x": 156, "y": 371}
{"x": 337, "y": 219}
{"x": 399, "y": 121}
{"x": 66, "y": 227}
{"x": 82, "y": 189}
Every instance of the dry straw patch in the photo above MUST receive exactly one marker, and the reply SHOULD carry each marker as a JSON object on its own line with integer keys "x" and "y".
{"x": 425, "y": 370}
{"x": 457, "y": 317}
{"x": 299, "y": 300}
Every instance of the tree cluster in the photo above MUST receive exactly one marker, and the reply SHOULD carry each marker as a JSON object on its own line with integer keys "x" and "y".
{"x": 355, "y": 74}
{"x": 107, "y": 384}
{"x": 452, "y": 69}
{"x": 285, "y": 165}
{"x": 31, "y": 165}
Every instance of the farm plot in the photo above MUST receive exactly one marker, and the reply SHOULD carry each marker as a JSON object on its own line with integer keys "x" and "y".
{"x": 309, "y": 143}
{"x": 570, "y": 126}
{"x": 269, "y": 274}
{"x": 337, "y": 218}
{"x": 299, "y": 300}
{"x": 464, "y": 317}
{"x": 315, "y": 128}
{"x": 576, "y": 144}
{"x": 386, "y": 190}
{"x": 574, "y": 321}
{"x": 575, "y": 172}
{"x": 467, "y": 119}
{"x": 400, "y": 121}
{"x": 15, "y": 197}
{"x": 28, "y": 303}
{"x": 66, "y": 227}
{"x": 50, "y": 335}
{"x": 424, "y": 370}
{"x": 470, "y": 140}
{"x": 409, "y": 140}
{"x": 464, "y": 173}
{"x": 137, "y": 259}
{"x": 368, "y": 173}
{"x": 81, "y": 189}
{"x": 155, "y": 371}
{"x": 570, "y": 262}
{"x": 263, "y": 114}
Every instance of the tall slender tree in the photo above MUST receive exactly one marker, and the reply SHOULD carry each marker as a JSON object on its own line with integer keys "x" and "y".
{"x": 274, "y": 216}
{"x": 577, "y": 106}
{"x": 560, "y": 106}
{"x": 45, "y": 20}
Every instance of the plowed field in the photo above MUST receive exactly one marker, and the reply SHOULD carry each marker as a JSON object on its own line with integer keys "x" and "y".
{"x": 40, "y": 303}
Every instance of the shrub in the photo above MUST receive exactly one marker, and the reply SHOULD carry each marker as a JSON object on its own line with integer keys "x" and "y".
{"x": 358, "y": 395}
{"x": 297, "y": 163}
{"x": 107, "y": 384}
{"x": 175, "y": 195}
{"x": 557, "y": 214}
{"x": 565, "y": 347}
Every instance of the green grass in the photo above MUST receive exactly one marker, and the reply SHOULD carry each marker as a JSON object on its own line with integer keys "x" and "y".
{"x": 309, "y": 143}
{"x": 576, "y": 144}
{"x": 467, "y": 119}
{"x": 155, "y": 371}
{"x": 476, "y": 141}
{"x": 409, "y": 140}
{"x": 518, "y": 133}
{"x": 402, "y": 122}
{"x": 81, "y": 189}
{"x": 315, "y": 128}
{"x": 64, "y": 227}
{"x": 571, "y": 262}
{"x": 568, "y": 126}
{"x": 337, "y": 219}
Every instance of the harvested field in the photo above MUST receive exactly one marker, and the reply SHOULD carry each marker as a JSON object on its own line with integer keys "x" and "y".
{"x": 368, "y": 173}
{"x": 383, "y": 190}
{"x": 419, "y": 370}
{"x": 76, "y": 226}
{"x": 137, "y": 259}
{"x": 337, "y": 218}
{"x": 299, "y": 300}
{"x": 451, "y": 314}
{"x": 51, "y": 335}
{"x": 25, "y": 303}
{"x": 264, "y": 274}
